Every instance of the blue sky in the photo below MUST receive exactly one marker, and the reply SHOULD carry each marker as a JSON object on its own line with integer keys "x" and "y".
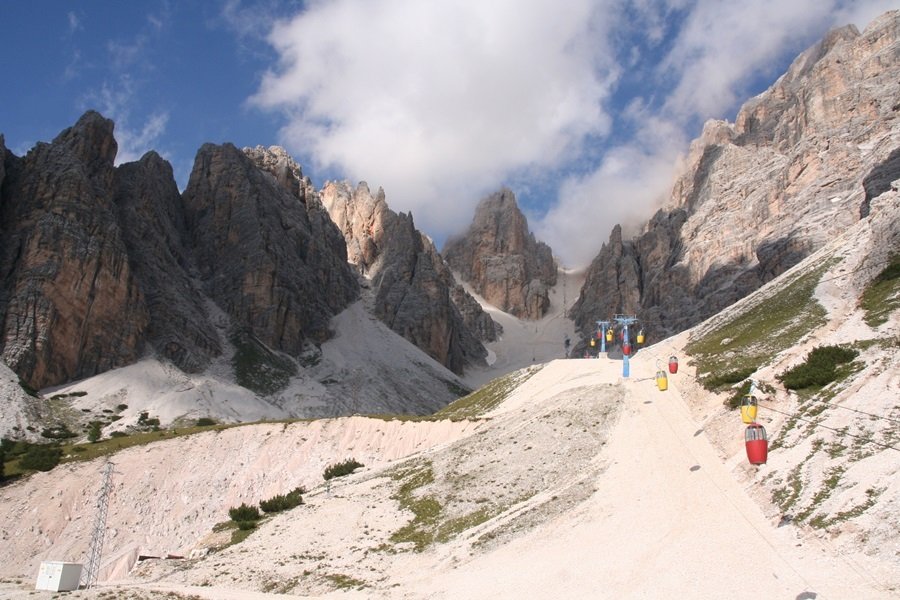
{"x": 582, "y": 108}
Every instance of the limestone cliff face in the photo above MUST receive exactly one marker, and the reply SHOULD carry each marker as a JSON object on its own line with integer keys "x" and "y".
{"x": 415, "y": 293}
{"x": 502, "y": 261}
{"x": 70, "y": 305}
{"x": 799, "y": 165}
{"x": 260, "y": 256}
{"x": 100, "y": 264}
{"x": 153, "y": 225}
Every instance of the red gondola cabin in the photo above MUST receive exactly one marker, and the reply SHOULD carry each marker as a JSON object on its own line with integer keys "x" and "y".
{"x": 757, "y": 444}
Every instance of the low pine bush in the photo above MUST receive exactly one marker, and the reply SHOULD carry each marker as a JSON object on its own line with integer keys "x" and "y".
{"x": 244, "y": 513}
{"x": 713, "y": 382}
{"x": 205, "y": 422}
{"x": 39, "y": 457}
{"x": 283, "y": 501}
{"x": 58, "y": 432}
{"x": 734, "y": 400}
{"x": 819, "y": 368}
{"x": 340, "y": 469}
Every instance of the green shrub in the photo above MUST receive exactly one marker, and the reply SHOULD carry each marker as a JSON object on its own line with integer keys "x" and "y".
{"x": 2, "y": 460}
{"x": 39, "y": 457}
{"x": 145, "y": 421}
{"x": 205, "y": 422}
{"x": 115, "y": 434}
{"x": 819, "y": 368}
{"x": 734, "y": 400}
{"x": 121, "y": 406}
{"x": 882, "y": 296}
{"x": 57, "y": 432}
{"x": 93, "y": 435}
{"x": 28, "y": 389}
{"x": 244, "y": 513}
{"x": 340, "y": 469}
{"x": 283, "y": 501}
{"x": 246, "y": 525}
{"x": 714, "y": 382}
{"x": 15, "y": 447}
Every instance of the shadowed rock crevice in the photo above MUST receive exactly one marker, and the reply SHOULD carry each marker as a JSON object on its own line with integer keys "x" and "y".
{"x": 416, "y": 295}
{"x": 260, "y": 255}
{"x": 879, "y": 179}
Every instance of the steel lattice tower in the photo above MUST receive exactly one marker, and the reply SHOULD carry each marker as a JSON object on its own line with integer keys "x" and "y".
{"x": 95, "y": 550}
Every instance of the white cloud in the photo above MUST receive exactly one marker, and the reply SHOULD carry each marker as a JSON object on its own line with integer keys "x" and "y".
{"x": 631, "y": 182}
{"x": 723, "y": 44}
{"x": 441, "y": 102}
{"x": 720, "y": 48}
{"x": 74, "y": 22}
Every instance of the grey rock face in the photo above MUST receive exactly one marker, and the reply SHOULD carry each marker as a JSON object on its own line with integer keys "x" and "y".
{"x": 70, "y": 306}
{"x": 152, "y": 218}
{"x": 799, "y": 165}
{"x": 502, "y": 261}
{"x": 260, "y": 256}
{"x": 415, "y": 293}
{"x": 473, "y": 316}
{"x": 97, "y": 262}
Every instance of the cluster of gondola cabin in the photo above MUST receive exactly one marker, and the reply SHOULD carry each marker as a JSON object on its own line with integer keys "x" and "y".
{"x": 612, "y": 337}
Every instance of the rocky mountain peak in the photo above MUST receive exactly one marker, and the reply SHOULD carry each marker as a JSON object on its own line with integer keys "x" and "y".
{"x": 70, "y": 306}
{"x": 798, "y": 167}
{"x": 269, "y": 261}
{"x": 500, "y": 258}
{"x": 415, "y": 293}
{"x": 363, "y": 219}
{"x": 283, "y": 167}
{"x": 90, "y": 141}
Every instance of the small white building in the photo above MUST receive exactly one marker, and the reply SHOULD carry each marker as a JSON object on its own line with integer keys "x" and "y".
{"x": 58, "y": 576}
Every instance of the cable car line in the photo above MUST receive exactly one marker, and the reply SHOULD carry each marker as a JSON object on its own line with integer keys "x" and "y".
{"x": 862, "y": 412}
{"x": 832, "y": 404}
{"x": 812, "y": 422}
{"x": 838, "y": 431}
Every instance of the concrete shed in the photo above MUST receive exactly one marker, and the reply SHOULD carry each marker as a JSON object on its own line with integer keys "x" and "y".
{"x": 58, "y": 576}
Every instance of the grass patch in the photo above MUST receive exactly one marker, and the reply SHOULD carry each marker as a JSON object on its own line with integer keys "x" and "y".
{"x": 882, "y": 296}
{"x": 822, "y": 522}
{"x": 258, "y": 368}
{"x": 487, "y": 397}
{"x": 786, "y": 496}
{"x": 430, "y": 523}
{"x": 345, "y": 582}
{"x": 456, "y": 389}
{"x": 426, "y": 509}
{"x": 744, "y": 342}
{"x": 734, "y": 400}
{"x": 828, "y": 486}
{"x": 453, "y": 527}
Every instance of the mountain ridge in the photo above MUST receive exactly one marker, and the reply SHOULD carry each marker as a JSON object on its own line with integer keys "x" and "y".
{"x": 759, "y": 195}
